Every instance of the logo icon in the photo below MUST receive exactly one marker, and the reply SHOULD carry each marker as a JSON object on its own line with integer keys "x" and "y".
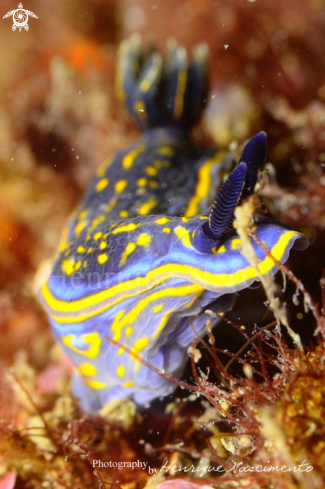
{"x": 20, "y": 18}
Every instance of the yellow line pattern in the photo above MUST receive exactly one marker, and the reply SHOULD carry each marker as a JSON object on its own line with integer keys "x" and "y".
{"x": 204, "y": 184}
{"x": 81, "y": 309}
{"x": 132, "y": 316}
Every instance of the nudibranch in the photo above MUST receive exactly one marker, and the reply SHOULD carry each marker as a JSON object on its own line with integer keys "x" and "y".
{"x": 152, "y": 243}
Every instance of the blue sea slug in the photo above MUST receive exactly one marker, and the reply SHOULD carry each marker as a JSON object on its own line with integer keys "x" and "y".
{"x": 152, "y": 243}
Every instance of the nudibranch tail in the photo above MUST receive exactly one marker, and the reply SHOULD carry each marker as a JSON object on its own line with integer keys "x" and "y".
{"x": 157, "y": 95}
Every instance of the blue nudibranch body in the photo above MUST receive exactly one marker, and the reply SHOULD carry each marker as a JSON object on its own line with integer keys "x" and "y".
{"x": 145, "y": 250}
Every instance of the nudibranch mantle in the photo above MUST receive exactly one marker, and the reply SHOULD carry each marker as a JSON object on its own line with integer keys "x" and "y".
{"x": 149, "y": 249}
{"x": 140, "y": 255}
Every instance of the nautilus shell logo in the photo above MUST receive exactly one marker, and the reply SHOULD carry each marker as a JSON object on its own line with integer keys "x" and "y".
{"x": 20, "y": 18}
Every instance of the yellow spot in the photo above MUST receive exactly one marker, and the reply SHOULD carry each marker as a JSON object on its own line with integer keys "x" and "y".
{"x": 166, "y": 230}
{"x": 184, "y": 219}
{"x": 137, "y": 347}
{"x": 80, "y": 249}
{"x": 166, "y": 150}
{"x": 98, "y": 220}
{"x": 79, "y": 227}
{"x": 143, "y": 239}
{"x": 85, "y": 263}
{"x": 89, "y": 250}
{"x": 120, "y": 371}
{"x": 128, "y": 159}
{"x": 116, "y": 329}
{"x": 140, "y": 110}
{"x": 102, "y": 245}
{"x": 95, "y": 222}
{"x": 236, "y": 244}
{"x": 88, "y": 237}
{"x": 145, "y": 85}
{"x": 160, "y": 164}
{"x": 103, "y": 167}
{"x": 63, "y": 240}
{"x": 142, "y": 182}
{"x": 120, "y": 186}
{"x": 128, "y": 250}
{"x": 204, "y": 184}
{"x": 162, "y": 220}
{"x": 82, "y": 215}
{"x": 158, "y": 308}
{"x": 77, "y": 265}
{"x": 102, "y": 184}
{"x": 150, "y": 170}
{"x": 183, "y": 234}
{"x": 128, "y": 331}
{"x": 125, "y": 229}
{"x": 119, "y": 315}
{"x": 98, "y": 235}
{"x": 147, "y": 207}
{"x": 102, "y": 258}
{"x": 68, "y": 251}
{"x": 153, "y": 184}
{"x": 87, "y": 369}
{"x": 129, "y": 383}
{"x": 68, "y": 267}
{"x": 204, "y": 218}
{"x": 94, "y": 384}
{"x": 111, "y": 205}
{"x": 123, "y": 214}
{"x": 93, "y": 339}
